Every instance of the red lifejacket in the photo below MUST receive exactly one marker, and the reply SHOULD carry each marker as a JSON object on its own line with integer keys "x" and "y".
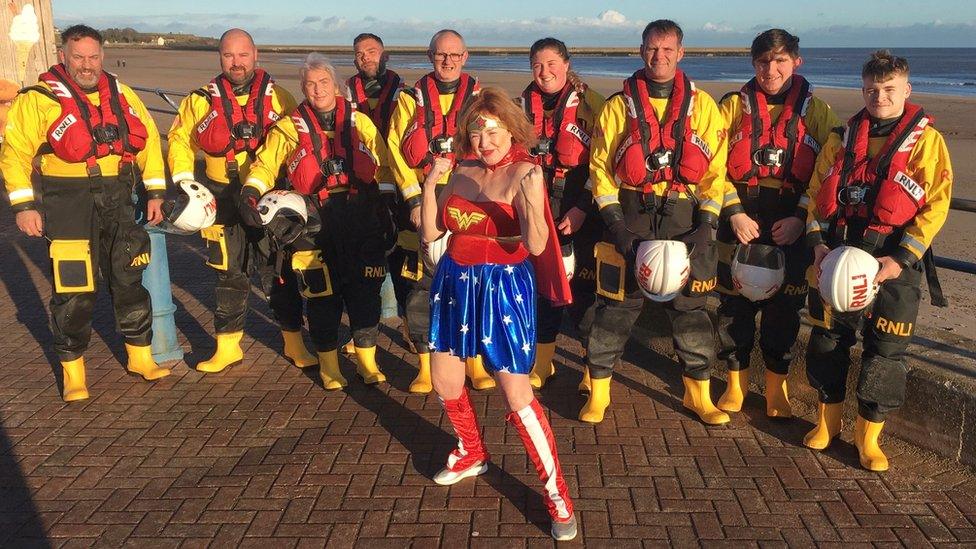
{"x": 431, "y": 127}
{"x": 230, "y": 128}
{"x": 307, "y": 166}
{"x": 84, "y": 132}
{"x": 380, "y": 115}
{"x": 660, "y": 151}
{"x": 877, "y": 190}
{"x": 785, "y": 150}
{"x": 566, "y": 144}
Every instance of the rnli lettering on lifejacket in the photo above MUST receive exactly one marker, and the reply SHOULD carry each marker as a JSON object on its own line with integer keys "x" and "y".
{"x": 911, "y": 187}
{"x": 374, "y": 272}
{"x": 795, "y": 289}
{"x": 903, "y": 329}
{"x": 202, "y": 127}
{"x": 140, "y": 260}
{"x": 63, "y": 126}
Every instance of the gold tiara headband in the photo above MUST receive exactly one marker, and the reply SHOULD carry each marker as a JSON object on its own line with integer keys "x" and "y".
{"x": 482, "y": 122}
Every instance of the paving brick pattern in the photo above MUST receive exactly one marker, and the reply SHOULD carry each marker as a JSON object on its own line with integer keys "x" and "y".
{"x": 261, "y": 456}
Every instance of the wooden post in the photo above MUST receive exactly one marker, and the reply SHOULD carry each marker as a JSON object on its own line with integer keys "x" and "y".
{"x": 41, "y": 55}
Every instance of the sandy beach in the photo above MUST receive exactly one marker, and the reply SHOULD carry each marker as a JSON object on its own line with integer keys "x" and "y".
{"x": 955, "y": 117}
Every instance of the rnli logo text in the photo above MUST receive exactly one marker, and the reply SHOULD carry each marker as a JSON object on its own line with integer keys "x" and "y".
{"x": 795, "y": 289}
{"x": 703, "y": 286}
{"x": 859, "y": 287}
{"x": 140, "y": 260}
{"x": 465, "y": 219}
{"x": 903, "y": 329}
{"x": 58, "y": 132}
{"x": 374, "y": 272}
{"x": 206, "y": 122}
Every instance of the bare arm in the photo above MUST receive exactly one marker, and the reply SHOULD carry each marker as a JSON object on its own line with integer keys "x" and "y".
{"x": 430, "y": 205}
{"x": 529, "y": 201}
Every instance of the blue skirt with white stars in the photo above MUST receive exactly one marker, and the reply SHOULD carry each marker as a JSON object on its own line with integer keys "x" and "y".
{"x": 486, "y": 309}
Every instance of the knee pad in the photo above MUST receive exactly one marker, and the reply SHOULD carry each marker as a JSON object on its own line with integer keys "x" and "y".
{"x": 882, "y": 382}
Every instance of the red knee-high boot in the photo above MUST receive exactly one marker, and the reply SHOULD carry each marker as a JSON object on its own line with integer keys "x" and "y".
{"x": 536, "y": 434}
{"x": 470, "y": 457}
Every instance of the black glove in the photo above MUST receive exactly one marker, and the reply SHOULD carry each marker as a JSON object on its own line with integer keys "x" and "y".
{"x": 625, "y": 241}
{"x": 248, "y": 207}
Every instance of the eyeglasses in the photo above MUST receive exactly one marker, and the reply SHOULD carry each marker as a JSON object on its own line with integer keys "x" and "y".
{"x": 440, "y": 56}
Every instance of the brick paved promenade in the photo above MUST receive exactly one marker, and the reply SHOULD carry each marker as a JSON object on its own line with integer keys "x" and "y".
{"x": 261, "y": 456}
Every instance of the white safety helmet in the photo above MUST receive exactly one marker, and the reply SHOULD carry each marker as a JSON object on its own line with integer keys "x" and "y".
{"x": 188, "y": 207}
{"x": 758, "y": 270}
{"x": 846, "y": 279}
{"x": 433, "y": 251}
{"x": 662, "y": 268}
{"x": 569, "y": 262}
{"x": 286, "y": 215}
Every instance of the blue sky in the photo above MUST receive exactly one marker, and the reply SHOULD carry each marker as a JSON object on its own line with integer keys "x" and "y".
{"x": 869, "y": 23}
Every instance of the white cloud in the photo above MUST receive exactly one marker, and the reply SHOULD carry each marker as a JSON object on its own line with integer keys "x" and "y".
{"x": 612, "y": 17}
{"x": 716, "y": 27}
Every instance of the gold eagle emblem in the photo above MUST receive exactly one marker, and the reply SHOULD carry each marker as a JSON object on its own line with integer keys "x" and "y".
{"x": 465, "y": 219}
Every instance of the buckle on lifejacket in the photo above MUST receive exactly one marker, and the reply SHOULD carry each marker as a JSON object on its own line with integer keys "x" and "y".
{"x": 93, "y": 169}
{"x": 233, "y": 169}
{"x": 852, "y": 195}
{"x": 658, "y": 159}
{"x": 544, "y": 147}
{"x": 244, "y": 130}
{"x": 769, "y": 156}
{"x": 752, "y": 191}
{"x": 106, "y": 134}
{"x": 441, "y": 145}
{"x": 332, "y": 167}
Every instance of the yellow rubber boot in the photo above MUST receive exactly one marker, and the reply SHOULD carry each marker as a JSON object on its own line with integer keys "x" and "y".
{"x": 74, "y": 380}
{"x": 480, "y": 379}
{"x": 866, "y": 439}
{"x": 349, "y": 348}
{"x": 698, "y": 399}
{"x": 828, "y": 426}
{"x": 367, "y": 368}
{"x": 329, "y": 371}
{"x": 735, "y": 391}
{"x": 598, "y": 401}
{"x": 421, "y": 384}
{"x": 141, "y": 362}
{"x": 543, "y": 369}
{"x": 228, "y": 352}
{"x": 295, "y": 350}
{"x": 777, "y": 399}
{"x": 584, "y": 384}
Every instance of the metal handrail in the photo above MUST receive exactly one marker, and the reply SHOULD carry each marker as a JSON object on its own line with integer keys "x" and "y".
{"x": 165, "y": 96}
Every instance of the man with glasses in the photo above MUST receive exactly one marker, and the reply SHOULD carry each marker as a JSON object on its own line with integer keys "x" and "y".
{"x": 421, "y": 129}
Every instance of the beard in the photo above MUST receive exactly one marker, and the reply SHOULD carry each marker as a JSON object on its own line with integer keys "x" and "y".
{"x": 86, "y": 81}
{"x": 379, "y": 69}
{"x": 238, "y": 79}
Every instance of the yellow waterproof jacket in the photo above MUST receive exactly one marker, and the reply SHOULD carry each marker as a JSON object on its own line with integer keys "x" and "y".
{"x": 928, "y": 165}
{"x": 820, "y": 120}
{"x": 182, "y": 135}
{"x": 409, "y": 180}
{"x": 612, "y": 129}
{"x": 28, "y": 121}
{"x": 282, "y": 140}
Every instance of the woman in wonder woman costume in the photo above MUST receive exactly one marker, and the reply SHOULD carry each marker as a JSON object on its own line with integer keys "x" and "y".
{"x": 502, "y": 250}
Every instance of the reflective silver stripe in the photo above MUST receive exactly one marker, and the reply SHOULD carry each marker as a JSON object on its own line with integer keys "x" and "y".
{"x": 813, "y": 227}
{"x": 258, "y": 184}
{"x": 909, "y": 241}
{"x": 411, "y": 190}
{"x": 386, "y": 187}
{"x": 158, "y": 183}
{"x": 602, "y": 201}
{"x": 711, "y": 205}
{"x": 177, "y": 177}
{"x": 21, "y": 194}
{"x": 588, "y": 185}
{"x": 803, "y": 202}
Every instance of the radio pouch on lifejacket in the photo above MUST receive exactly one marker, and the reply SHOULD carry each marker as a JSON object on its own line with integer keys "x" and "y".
{"x": 216, "y": 246}
{"x": 313, "y": 274}
{"x": 413, "y": 265}
{"x": 72, "y": 266}
{"x": 610, "y": 271}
